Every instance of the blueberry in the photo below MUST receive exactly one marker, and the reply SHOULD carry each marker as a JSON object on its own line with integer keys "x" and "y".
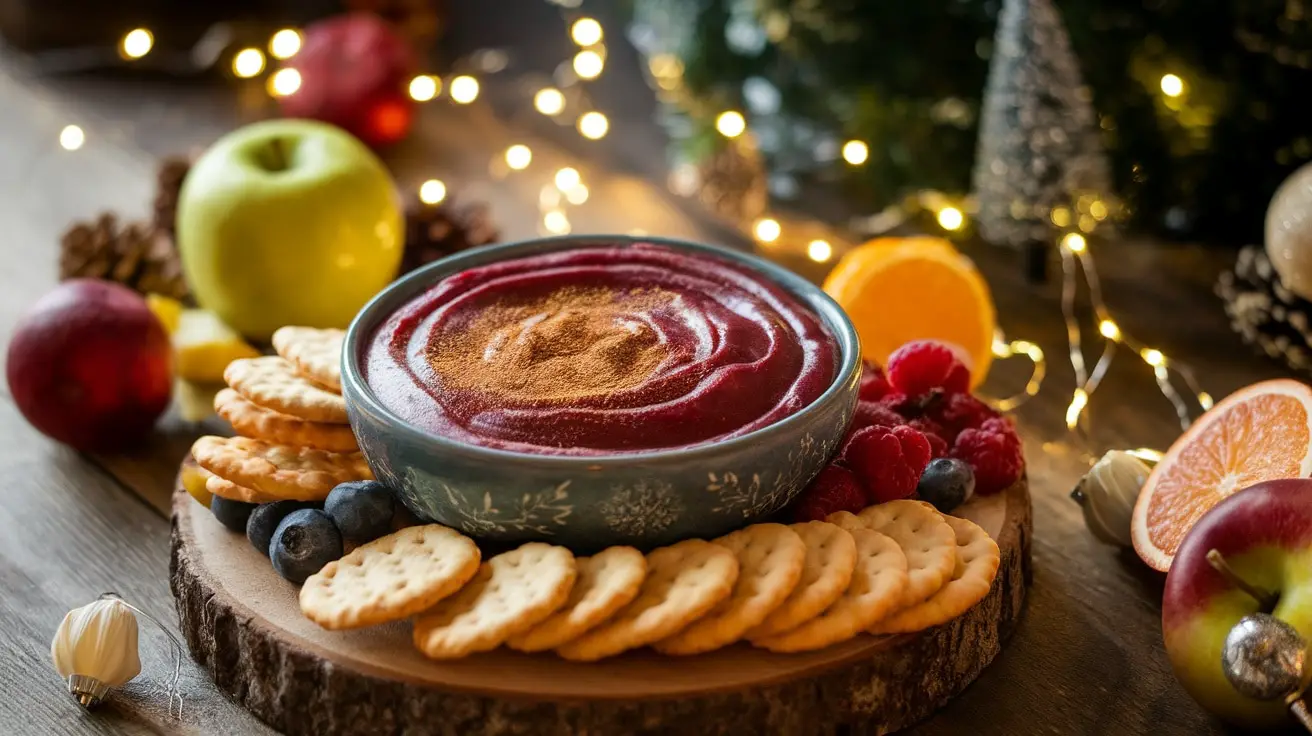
{"x": 362, "y": 509}
{"x": 304, "y": 542}
{"x": 265, "y": 519}
{"x": 946, "y": 483}
{"x": 232, "y": 514}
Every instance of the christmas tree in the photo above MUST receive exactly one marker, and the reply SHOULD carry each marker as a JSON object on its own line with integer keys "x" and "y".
{"x": 1040, "y": 167}
{"x": 1199, "y": 106}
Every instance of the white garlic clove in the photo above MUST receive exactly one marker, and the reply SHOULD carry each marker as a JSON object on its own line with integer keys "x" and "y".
{"x": 1107, "y": 494}
{"x": 98, "y": 641}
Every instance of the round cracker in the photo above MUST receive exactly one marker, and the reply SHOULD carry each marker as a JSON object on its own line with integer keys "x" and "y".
{"x": 770, "y": 560}
{"x": 224, "y": 488}
{"x": 510, "y": 594}
{"x": 976, "y": 567}
{"x": 390, "y": 578}
{"x": 282, "y": 472}
{"x": 878, "y": 585}
{"x": 684, "y": 581}
{"x": 316, "y": 353}
{"x": 273, "y": 383}
{"x": 826, "y": 573}
{"x": 927, "y": 541}
{"x": 252, "y": 420}
{"x": 607, "y": 582}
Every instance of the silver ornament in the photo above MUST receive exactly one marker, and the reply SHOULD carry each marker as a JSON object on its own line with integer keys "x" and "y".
{"x": 1264, "y": 658}
{"x": 1289, "y": 232}
{"x": 1107, "y": 494}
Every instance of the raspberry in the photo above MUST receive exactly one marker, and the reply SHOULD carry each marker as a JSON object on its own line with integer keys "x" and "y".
{"x": 955, "y": 412}
{"x": 919, "y": 367}
{"x": 873, "y": 413}
{"x": 994, "y": 451}
{"x": 834, "y": 489}
{"x": 887, "y": 460}
{"x": 938, "y": 446}
{"x": 898, "y": 402}
{"x": 874, "y": 386}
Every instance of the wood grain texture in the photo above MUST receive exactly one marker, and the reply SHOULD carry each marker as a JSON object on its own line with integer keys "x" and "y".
{"x": 251, "y": 637}
{"x": 1087, "y": 655}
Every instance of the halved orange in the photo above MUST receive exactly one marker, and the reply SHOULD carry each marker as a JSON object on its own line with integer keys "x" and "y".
{"x": 1260, "y": 432}
{"x": 899, "y": 290}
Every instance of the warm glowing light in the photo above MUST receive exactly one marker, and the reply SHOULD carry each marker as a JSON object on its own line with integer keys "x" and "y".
{"x": 556, "y": 222}
{"x": 432, "y": 191}
{"x": 518, "y": 157}
{"x": 285, "y": 43}
{"x": 1098, "y": 210}
{"x": 549, "y": 101}
{"x": 856, "y": 152}
{"x": 767, "y": 230}
{"x": 1078, "y": 402}
{"x": 247, "y": 63}
{"x": 588, "y": 64}
{"x": 423, "y": 88}
{"x": 568, "y": 178}
{"x": 1205, "y": 400}
{"x": 730, "y": 124}
{"x": 284, "y": 82}
{"x": 464, "y": 89}
{"x": 1061, "y": 217}
{"x": 1000, "y": 347}
{"x": 72, "y": 138}
{"x": 950, "y": 218}
{"x": 1074, "y": 242}
{"x": 1172, "y": 86}
{"x": 593, "y": 125}
{"x": 1146, "y": 454}
{"x": 1109, "y": 330}
{"x": 819, "y": 250}
{"x": 585, "y": 32}
{"x": 577, "y": 194}
{"x": 136, "y": 43}
{"x": 1152, "y": 357}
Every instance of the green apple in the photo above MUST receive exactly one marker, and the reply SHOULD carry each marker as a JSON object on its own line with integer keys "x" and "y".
{"x": 1264, "y": 535}
{"x": 288, "y": 222}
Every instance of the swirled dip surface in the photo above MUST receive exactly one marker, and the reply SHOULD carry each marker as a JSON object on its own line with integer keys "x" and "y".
{"x": 600, "y": 351}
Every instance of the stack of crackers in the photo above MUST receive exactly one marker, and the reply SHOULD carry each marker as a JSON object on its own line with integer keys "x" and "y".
{"x": 896, "y": 567}
{"x": 295, "y": 442}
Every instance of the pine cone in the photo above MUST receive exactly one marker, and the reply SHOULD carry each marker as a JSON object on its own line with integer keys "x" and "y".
{"x": 137, "y": 255}
{"x": 168, "y": 184}
{"x": 434, "y": 231}
{"x": 1267, "y": 315}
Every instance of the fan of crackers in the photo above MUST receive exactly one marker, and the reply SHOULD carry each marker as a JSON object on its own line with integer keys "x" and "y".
{"x": 896, "y": 567}
{"x": 294, "y": 443}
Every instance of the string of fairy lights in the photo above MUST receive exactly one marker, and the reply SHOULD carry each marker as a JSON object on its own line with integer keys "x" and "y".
{"x": 564, "y": 98}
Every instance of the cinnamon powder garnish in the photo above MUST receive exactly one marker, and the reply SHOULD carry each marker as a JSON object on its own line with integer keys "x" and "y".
{"x": 570, "y": 345}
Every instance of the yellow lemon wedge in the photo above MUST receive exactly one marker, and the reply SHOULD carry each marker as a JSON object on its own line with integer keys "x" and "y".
{"x": 203, "y": 346}
{"x": 167, "y": 310}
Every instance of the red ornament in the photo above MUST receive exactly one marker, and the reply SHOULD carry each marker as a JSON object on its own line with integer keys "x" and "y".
{"x": 355, "y": 73}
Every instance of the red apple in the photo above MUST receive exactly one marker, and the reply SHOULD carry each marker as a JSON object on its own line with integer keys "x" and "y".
{"x": 355, "y": 73}
{"x": 1264, "y": 534}
{"x": 89, "y": 365}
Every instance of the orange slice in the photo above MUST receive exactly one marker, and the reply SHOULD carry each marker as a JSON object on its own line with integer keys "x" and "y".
{"x": 899, "y": 290}
{"x": 1258, "y": 433}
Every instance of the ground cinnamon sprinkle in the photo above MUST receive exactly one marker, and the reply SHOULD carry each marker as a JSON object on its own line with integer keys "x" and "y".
{"x": 566, "y": 346}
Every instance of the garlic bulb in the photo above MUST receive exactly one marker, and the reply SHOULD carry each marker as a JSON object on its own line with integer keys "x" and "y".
{"x": 95, "y": 649}
{"x": 1107, "y": 494}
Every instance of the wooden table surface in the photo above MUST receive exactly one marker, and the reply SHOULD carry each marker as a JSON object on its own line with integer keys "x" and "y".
{"x": 1086, "y": 659}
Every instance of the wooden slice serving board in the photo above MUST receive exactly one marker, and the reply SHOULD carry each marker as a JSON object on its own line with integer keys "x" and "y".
{"x": 242, "y": 623}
